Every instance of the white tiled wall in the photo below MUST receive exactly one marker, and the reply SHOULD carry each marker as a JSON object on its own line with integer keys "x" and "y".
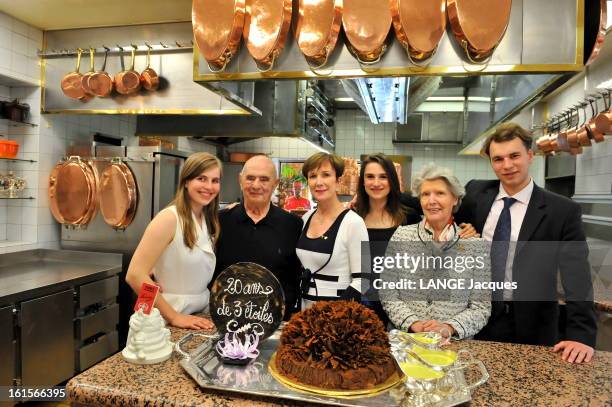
{"x": 594, "y": 170}
{"x": 18, "y": 46}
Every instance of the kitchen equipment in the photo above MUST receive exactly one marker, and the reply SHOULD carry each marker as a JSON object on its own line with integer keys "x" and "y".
{"x": 101, "y": 83}
{"x": 217, "y": 28}
{"x": 118, "y": 194}
{"x": 8, "y": 148}
{"x": 10, "y": 185}
{"x": 582, "y": 134}
{"x": 149, "y": 78}
{"x": 85, "y": 78}
{"x": 206, "y": 368}
{"x": 591, "y": 126}
{"x": 128, "y": 82}
{"x": 478, "y": 28}
{"x": 73, "y": 191}
{"x": 596, "y": 19}
{"x": 71, "y": 82}
{"x": 266, "y": 26}
{"x": 366, "y": 25}
{"x": 15, "y": 111}
{"x": 419, "y": 26}
{"x": 317, "y": 29}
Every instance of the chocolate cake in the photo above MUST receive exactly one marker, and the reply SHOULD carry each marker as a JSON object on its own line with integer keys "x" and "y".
{"x": 336, "y": 345}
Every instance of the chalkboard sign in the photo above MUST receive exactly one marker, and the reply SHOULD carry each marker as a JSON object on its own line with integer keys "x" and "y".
{"x": 247, "y": 297}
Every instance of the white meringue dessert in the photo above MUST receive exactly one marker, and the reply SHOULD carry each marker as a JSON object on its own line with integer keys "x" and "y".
{"x": 148, "y": 340}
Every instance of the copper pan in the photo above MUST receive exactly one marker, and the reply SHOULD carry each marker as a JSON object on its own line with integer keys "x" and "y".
{"x": 127, "y": 82}
{"x": 478, "y": 26}
{"x": 118, "y": 195}
{"x": 101, "y": 83}
{"x": 591, "y": 128}
{"x": 89, "y": 74}
{"x": 419, "y": 26}
{"x": 73, "y": 192}
{"x": 266, "y": 25}
{"x": 217, "y": 28}
{"x": 596, "y": 19}
{"x": 71, "y": 82}
{"x": 317, "y": 29}
{"x": 603, "y": 121}
{"x": 366, "y": 24}
{"x": 149, "y": 78}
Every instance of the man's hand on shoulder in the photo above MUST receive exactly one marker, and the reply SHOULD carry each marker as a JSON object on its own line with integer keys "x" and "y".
{"x": 574, "y": 352}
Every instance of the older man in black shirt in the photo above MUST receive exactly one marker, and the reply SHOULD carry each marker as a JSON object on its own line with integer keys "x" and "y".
{"x": 259, "y": 232}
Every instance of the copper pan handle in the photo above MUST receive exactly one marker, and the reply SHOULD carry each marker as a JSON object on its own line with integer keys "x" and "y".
{"x": 269, "y": 68}
{"x": 78, "y": 64}
{"x": 421, "y": 64}
{"x": 484, "y": 63}
{"x": 227, "y": 58}
{"x": 314, "y": 69}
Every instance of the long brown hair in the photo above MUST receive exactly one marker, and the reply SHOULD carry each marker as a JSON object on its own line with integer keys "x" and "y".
{"x": 393, "y": 207}
{"x": 195, "y": 165}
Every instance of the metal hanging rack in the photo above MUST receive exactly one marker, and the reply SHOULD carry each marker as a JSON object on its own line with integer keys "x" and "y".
{"x": 156, "y": 48}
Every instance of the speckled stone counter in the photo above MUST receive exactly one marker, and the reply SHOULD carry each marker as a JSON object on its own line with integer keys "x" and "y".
{"x": 521, "y": 375}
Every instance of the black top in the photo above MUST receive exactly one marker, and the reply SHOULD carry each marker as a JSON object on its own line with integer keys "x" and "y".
{"x": 270, "y": 242}
{"x": 324, "y": 243}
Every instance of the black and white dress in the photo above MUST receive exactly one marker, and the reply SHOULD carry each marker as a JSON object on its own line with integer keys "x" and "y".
{"x": 333, "y": 260}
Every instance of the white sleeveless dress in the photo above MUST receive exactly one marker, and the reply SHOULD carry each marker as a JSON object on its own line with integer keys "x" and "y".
{"x": 182, "y": 273}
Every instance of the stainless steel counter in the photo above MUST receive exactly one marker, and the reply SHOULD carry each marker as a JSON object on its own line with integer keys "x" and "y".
{"x": 24, "y": 275}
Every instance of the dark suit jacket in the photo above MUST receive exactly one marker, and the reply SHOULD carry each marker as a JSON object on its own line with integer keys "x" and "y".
{"x": 557, "y": 220}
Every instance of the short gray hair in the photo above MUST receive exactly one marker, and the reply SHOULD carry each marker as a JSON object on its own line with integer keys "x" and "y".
{"x": 432, "y": 172}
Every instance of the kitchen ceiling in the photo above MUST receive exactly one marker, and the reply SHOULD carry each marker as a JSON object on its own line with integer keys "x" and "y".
{"x": 64, "y": 14}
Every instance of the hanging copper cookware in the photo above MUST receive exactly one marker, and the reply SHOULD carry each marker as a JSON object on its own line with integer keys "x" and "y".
{"x": 149, "y": 78}
{"x": 603, "y": 121}
{"x": 71, "y": 82}
{"x": 572, "y": 133}
{"x": 217, "y": 28}
{"x": 266, "y": 25}
{"x": 317, "y": 29}
{"x": 419, "y": 26}
{"x": 596, "y": 19}
{"x": 101, "y": 83}
{"x": 127, "y": 82}
{"x": 85, "y": 78}
{"x": 591, "y": 127}
{"x": 366, "y": 24}
{"x": 118, "y": 195}
{"x": 73, "y": 192}
{"x": 478, "y": 26}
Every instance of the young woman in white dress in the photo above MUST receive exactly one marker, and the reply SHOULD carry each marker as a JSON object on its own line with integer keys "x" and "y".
{"x": 177, "y": 247}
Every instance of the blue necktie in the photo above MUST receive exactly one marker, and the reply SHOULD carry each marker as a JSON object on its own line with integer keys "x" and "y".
{"x": 501, "y": 243}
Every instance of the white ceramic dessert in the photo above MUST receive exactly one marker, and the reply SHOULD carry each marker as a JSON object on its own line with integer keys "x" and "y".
{"x": 148, "y": 339}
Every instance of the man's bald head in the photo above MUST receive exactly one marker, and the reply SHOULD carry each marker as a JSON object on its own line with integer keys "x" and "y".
{"x": 258, "y": 180}
{"x": 260, "y": 163}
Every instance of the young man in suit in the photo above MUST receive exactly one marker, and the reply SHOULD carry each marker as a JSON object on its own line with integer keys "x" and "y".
{"x": 519, "y": 214}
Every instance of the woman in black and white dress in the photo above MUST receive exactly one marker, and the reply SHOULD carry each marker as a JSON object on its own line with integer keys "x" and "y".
{"x": 330, "y": 247}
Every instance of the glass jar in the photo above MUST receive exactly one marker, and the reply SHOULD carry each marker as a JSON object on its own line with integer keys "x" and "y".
{"x": 11, "y": 185}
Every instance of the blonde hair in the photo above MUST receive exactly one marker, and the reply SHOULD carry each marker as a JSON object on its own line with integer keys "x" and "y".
{"x": 195, "y": 165}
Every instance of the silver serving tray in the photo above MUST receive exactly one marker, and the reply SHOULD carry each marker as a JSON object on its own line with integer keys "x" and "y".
{"x": 204, "y": 366}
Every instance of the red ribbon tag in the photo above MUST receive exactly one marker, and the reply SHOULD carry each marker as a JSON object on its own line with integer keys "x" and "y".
{"x": 146, "y": 298}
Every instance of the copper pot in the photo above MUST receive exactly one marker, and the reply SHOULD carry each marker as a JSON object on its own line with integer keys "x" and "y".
{"x": 478, "y": 26}
{"x": 128, "y": 82}
{"x": 317, "y": 29}
{"x": 118, "y": 195}
{"x": 596, "y": 19}
{"x": 149, "y": 78}
{"x": 366, "y": 24}
{"x": 217, "y": 28}
{"x": 73, "y": 192}
{"x": 591, "y": 128}
{"x": 419, "y": 26}
{"x": 71, "y": 82}
{"x": 101, "y": 83}
{"x": 266, "y": 26}
{"x": 603, "y": 121}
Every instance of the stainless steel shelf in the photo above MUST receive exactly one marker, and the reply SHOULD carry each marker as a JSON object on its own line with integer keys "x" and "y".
{"x": 13, "y": 123}
{"x": 17, "y": 160}
{"x": 19, "y": 197}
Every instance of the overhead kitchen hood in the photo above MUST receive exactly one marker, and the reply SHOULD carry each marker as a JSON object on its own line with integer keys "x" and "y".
{"x": 288, "y": 109}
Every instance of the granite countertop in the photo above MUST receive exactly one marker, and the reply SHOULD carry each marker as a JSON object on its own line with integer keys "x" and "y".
{"x": 41, "y": 271}
{"x": 520, "y": 375}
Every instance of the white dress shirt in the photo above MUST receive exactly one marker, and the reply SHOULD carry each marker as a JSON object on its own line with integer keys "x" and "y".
{"x": 517, "y": 214}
